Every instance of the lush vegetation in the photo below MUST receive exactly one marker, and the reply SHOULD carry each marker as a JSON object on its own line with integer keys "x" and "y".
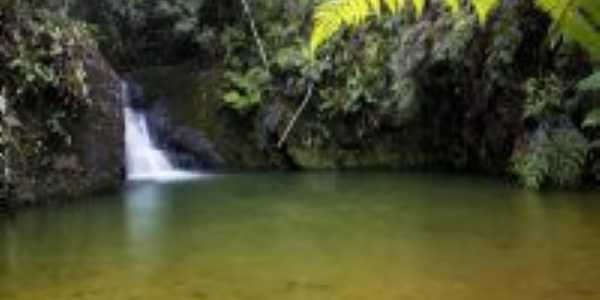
{"x": 557, "y": 150}
{"x": 576, "y": 18}
{"x": 44, "y": 85}
{"x": 478, "y": 85}
{"x": 42, "y": 61}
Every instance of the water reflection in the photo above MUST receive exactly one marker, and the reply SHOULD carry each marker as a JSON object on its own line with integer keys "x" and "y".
{"x": 145, "y": 209}
{"x": 310, "y": 236}
{"x": 9, "y": 247}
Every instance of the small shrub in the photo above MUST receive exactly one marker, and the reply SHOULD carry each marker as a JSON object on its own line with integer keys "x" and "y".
{"x": 553, "y": 157}
{"x": 544, "y": 97}
{"x": 590, "y": 86}
{"x": 248, "y": 88}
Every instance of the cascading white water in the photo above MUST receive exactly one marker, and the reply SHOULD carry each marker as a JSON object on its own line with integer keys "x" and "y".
{"x": 144, "y": 160}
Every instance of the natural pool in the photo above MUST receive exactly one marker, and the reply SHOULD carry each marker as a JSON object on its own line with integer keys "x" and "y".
{"x": 308, "y": 236}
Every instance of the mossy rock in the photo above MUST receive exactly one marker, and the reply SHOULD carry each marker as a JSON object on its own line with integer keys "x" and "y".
{"x": 193, "y": 98}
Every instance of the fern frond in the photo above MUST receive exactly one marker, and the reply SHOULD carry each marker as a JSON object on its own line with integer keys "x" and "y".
{"x": 332, "y": 15}
{"x": 483, "y": 8}
{"x": 419, "y": 6}
{"x": 556, "y": 156}
{"x": 578, "y": 20}
{"x": 454, "y": 5}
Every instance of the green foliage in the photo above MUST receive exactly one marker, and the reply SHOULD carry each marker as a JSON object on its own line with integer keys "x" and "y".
{"x": 44, "y": 53}
{"x": 248, "y": 89}
{"x": 555, "y": 157}
{"x": 359, "y": 81}
{"x": 41, "y": 65}
{"x": 544, "y": 97}
{"x": 136, "y": 33}
{"x": 248, "y": 83}
{"x": 590, "y": 86}
{"x": 577, "y": 19}
{"x": 235, "y": 43}
{"x": 331, "y": 16}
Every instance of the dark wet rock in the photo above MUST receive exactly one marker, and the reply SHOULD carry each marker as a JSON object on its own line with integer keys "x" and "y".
{"x": 136, "y": 98}
{"x": 187, "y": 148}
{"x": 190, "y": 149}
{"x": 271, "y": 121}
{"x": 99, "y": 138}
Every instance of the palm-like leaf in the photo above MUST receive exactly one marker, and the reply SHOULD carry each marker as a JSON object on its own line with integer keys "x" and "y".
{"x": 331, "y": 15}
{"x": 577, "y": 19}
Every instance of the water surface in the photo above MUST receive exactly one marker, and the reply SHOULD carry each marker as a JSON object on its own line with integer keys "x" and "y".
{"x": 308, "y": 236}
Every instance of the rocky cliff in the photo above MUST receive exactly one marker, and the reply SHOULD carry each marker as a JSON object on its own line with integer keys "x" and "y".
{"x": 62, "y": 123}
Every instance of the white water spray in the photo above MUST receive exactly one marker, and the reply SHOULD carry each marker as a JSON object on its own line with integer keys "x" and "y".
{"x": 144, "y": 160}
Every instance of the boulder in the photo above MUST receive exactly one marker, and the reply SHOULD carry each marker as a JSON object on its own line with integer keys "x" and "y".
{"x": 93, "y": 160}
{"x": 190, "y": 149}
{"x": 187, "y": 148}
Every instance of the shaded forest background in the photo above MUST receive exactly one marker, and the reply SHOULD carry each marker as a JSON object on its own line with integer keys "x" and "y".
{"x": 438, "y": 92}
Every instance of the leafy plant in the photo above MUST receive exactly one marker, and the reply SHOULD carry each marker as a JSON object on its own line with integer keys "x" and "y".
{"x": 248, "y": 88}
{"x": 557, "y": 156}
{"x": 591, "y": 84}
{"x": 42, "y": 65}
{"x": 591, "y": 122}
{"x": 554, "y": 156}
{"x": 331, "y": 16}
{"x": 544, "y": 97}
{"x": 574, "y": 18}
{"x": 558, "y": 151}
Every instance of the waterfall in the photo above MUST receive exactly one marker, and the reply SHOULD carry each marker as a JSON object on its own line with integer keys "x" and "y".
{"x": 144, "y": 160}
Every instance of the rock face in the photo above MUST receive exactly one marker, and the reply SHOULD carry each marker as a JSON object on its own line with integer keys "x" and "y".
{"x": 186, "y": 148}
{"x": 95, "y": 158}
{"x": 98, "y": 139}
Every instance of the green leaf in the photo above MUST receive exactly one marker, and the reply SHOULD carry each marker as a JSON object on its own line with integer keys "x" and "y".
{"x": 576, "y": 19}
{"x": 232, "y": 98}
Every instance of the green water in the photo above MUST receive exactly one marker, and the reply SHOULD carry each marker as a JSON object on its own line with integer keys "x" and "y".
{"x": 308, "y": 236}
